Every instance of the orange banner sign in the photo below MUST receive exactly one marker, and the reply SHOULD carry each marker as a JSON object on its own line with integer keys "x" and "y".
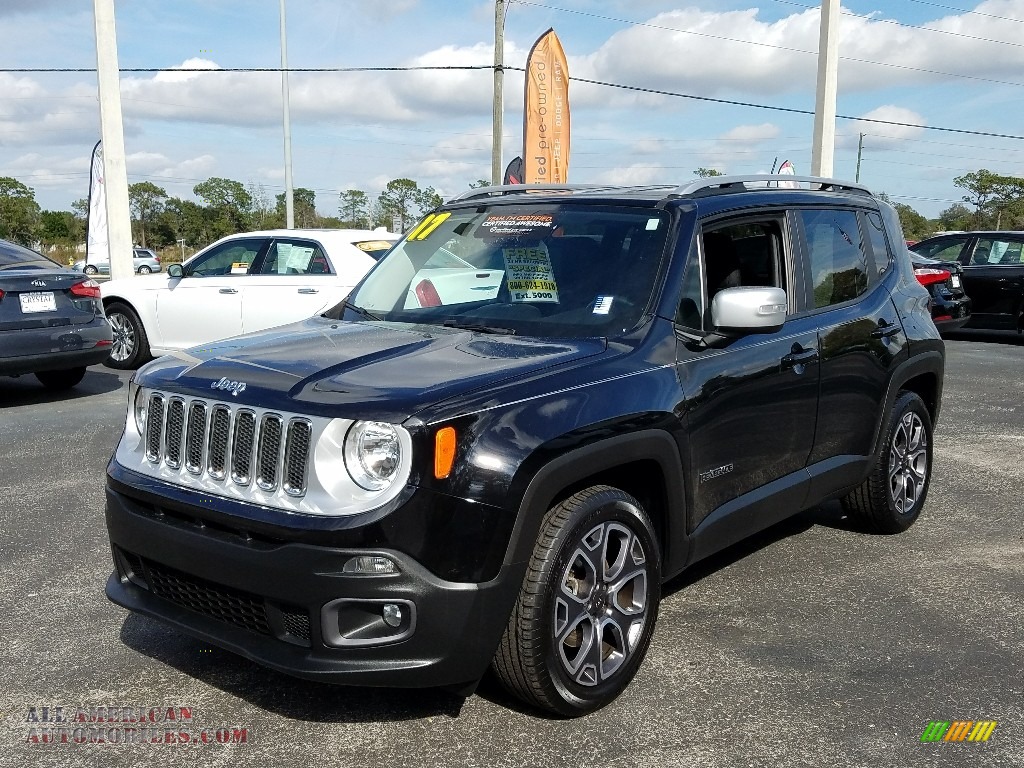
{"x": 546, "y": 113}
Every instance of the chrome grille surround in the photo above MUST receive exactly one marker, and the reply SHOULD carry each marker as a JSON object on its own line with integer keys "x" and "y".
{"x": 217, "y": 448}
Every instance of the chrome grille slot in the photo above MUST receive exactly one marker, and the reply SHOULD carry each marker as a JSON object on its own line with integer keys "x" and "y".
{"x": 175, "y": 430}
{"x": 296, "y": 456}
{"x": 154, "y": 427}
{"x": 242, "y": 443}
{"x": 225, "y": 449}
{"x": 217, "y": 448}
{"x": 195, "y": 436}
{"x": 268, "y": 459}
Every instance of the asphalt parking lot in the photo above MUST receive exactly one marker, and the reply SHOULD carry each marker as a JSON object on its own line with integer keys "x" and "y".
{"x": 814, "y": 644}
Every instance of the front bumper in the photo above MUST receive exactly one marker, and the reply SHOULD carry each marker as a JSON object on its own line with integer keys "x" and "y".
{"x": 287, "y": 605}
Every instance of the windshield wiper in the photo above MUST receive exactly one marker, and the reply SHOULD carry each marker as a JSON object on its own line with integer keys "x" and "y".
{"x": 364, "y": 313}
{"x": 479, "y": 328}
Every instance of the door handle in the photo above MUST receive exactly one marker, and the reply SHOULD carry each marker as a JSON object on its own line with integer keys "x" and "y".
{"x": 885, "y": 330}
{"x": 228, "y": 290}
{"x": 309, "y": 290}
{"x": 798, "y": 358}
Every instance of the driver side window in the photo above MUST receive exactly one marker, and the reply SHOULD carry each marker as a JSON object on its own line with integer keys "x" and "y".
{"x": 231, "y": 258}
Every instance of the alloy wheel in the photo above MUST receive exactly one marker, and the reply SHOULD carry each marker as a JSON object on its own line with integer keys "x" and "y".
{"x": 908, "y": 463}
{"x": 124, "y": 337}
{"x": 601, "y": 605}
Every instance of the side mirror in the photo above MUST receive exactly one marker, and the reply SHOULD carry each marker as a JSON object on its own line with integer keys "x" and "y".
{"x": 739, "y": 311}
{"x": 175, "y": 270}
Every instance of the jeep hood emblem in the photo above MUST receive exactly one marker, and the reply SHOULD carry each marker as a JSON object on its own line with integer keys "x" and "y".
{"x": 226, "y": 384}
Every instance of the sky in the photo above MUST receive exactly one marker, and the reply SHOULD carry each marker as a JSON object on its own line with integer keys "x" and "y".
{"x": 944, "y": 65}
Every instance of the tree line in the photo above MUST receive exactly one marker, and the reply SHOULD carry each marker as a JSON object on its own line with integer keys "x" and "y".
{"x": 225, "y": 206}
{"x": 222, "y": 207}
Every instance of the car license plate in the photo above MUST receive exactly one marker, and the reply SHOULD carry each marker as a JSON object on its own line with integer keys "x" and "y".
{"x": 38, "y": 301}
{"x": 956, "y": 281}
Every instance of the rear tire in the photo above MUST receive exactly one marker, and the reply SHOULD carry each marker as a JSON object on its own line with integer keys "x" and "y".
{"x": 145, "y": 270}
{"x": 130, "y": 348}
{"x": 57, "y": 381}
{"x": 587, "y": 608}
{"x": 890, "y": 499}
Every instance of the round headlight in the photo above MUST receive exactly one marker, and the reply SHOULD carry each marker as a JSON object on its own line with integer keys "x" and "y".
{"x": 373, "y": 454}
{"x": 140, "y": 410}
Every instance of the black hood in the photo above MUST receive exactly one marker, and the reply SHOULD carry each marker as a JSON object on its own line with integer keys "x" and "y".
{"x": 381, "y": 371}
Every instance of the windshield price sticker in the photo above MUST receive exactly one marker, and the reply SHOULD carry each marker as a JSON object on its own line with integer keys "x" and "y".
{"x": 530, "y": 277}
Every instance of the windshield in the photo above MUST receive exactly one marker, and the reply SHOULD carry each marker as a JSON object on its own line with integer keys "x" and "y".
{"x": 550, "y": 270}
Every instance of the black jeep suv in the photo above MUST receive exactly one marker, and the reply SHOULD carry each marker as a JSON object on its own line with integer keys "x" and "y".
{"x": 537, "y": 408}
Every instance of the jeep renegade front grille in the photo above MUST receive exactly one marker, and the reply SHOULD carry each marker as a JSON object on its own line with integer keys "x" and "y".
{"x": 229, "y": 444}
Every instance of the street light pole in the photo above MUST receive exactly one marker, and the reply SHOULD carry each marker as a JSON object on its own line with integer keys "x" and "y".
{"x": 824, "y": 143}
{"x": 289, "y": 194}
{"x": 498, "y": 105}
{"x": 860, "y": 150}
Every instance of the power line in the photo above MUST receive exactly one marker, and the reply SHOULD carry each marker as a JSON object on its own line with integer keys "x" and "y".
{"x": 764, "y": 45}
{"x": 964, "y": 10}
{"x": 277, "y": 70}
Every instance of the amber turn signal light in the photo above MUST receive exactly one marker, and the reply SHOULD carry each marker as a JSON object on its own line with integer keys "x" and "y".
{"x": 444, "y": 452}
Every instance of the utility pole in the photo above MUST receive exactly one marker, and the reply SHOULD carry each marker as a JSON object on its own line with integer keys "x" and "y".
{"x": 860, "y": 151}
{"x": 498, "y": 105}
{"x": 824, "y": 144}
{"x": 115, "y": 171}
{"x": 289, "y": 193}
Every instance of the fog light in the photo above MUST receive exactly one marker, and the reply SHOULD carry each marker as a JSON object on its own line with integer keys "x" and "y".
{"x": 377, "y": 564}
{"x": 392, "y": 614}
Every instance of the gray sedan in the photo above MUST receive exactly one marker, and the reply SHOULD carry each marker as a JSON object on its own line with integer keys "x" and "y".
{"x": 145, "y": 262}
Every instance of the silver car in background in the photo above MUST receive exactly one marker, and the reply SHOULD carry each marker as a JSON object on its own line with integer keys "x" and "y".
{"x": 145, "y": 260}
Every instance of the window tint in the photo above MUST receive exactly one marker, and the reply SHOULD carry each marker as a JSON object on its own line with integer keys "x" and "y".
{"x": 992, "y": 251}
{"x": 838, "y": 264}
{"x": 879, "y": 245}
{"x": 13, "y": 256}
{"x": 747, "y": 253}
{"x": 295, "y": 257}
{"x": 942, "y": 250}
{"x": 231, "y": 258}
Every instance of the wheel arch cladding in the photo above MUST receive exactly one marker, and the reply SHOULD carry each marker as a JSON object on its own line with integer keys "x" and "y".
{"x": 645, "y": 464}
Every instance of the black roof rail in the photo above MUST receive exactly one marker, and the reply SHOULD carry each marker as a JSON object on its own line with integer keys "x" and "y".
{"x": 518, "y": 189}
{"x": 712, "y": 185}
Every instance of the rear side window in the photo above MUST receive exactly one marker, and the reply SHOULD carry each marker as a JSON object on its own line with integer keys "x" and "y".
{"x": 876, "y": 235}
{"x": 297, "y": 257}
{"x": 836, "y": 256}
{"x": 996, "y": 251}
{"x": 13, "y": 256}
{"x": 942, "y": 250}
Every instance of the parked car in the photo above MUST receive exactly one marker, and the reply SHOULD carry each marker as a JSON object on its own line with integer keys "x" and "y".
{"x": 396, "y": 494}
{"x": 242, "y": 283}
{"x": 51, "y": 319}
{"x": 145, "y": 261}
{"x": 951, "y": 306}
{"x": 993, "y": 274}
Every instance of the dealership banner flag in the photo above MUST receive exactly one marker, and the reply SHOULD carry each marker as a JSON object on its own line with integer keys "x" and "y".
{"x": 546, "y": 113}
{"x": 787, "y": 169}
{"x": 97, "y": 248}
{"x": 514, "y": 172}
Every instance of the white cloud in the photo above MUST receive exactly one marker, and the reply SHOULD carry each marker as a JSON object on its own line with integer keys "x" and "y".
{"x": 884, "y": 136}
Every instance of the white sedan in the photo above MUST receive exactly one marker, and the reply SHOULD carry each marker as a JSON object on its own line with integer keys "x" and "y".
{"x": 243, "y": 283}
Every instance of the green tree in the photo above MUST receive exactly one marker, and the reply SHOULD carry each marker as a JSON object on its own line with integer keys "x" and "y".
{"x": 403, "y": 199}
{"x": 228, "y": 206}
{"x": 957, "y": 217}
{"x": 995, "y": 197}
{"x": 353, "y": 208}
{"x": 19, "y": 211}
{"x": 479, "y": 183}
{"x": 304, "y": 202}
{"x": 60, "y": 229}
{"x": 145, "y": 200}
{"x": 705, "y": 172}
{"x": 915, "y": 226}
{"x": 261, "y": 215}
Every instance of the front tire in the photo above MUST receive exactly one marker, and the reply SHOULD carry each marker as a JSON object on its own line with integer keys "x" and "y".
{"x": 57, "y": 381}
{"x": 130, "y": 347}
{"x": 890, "y": 499}
{"x": 587, "y": 608}
{"x": 89, "y": 269}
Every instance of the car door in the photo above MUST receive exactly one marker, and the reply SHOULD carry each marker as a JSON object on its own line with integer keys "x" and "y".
{"x": 293, "y": 280}
{"x": 750, "y": 405}
{"x": 847, "y": 265}
{"x": 994, "y": 279}
{"x": 205, "y": 303}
